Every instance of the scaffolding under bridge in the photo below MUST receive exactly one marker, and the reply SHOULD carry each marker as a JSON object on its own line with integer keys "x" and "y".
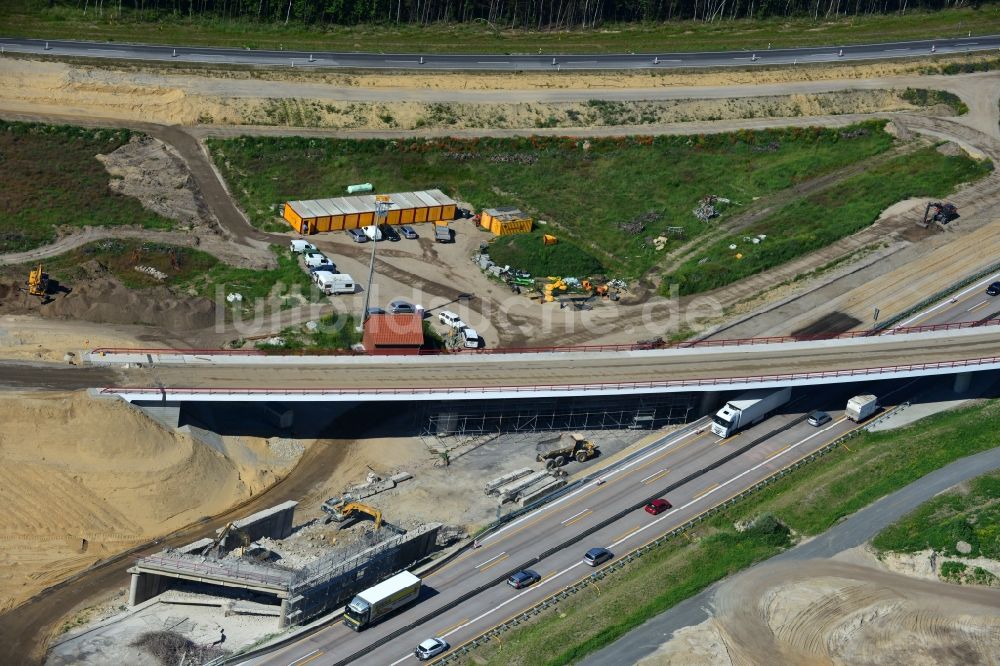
{"x": 480, "y": 417}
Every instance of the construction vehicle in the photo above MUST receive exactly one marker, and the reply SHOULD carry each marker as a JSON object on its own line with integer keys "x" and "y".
{"x": 340, "y": 510}
{"x": 939, "y": 212}
{"x": 218, "y": 544}
{"x": 38, "y": 283}
{"x": 556, "y": 456}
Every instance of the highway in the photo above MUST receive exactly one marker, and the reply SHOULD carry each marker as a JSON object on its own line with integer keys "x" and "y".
{"x": 969, "y": 304}
{"x": 786, "y": 438}
{"x": 500, "y": 62}
{"x": 386, "y": 377}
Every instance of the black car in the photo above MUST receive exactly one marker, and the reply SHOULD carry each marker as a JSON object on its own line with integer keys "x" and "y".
{"x": 324, "y": 268}
{"x": 523, "y": 579}
{"x": 388, "y": 232}
{"x": 993, "y": 289}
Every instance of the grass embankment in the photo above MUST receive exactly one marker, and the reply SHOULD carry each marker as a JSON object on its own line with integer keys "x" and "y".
{"x": 809, "y": 500}
{"x": 587, "y": 189}
{"x": 51, "y": 178}
{"x": 824, "y": 217}
{"x": 924, "y": 97}
{"x": 332, "y": 331}
{"x": 30, "y": 18}
{"x": 188, "y": 271}
{"x": 971, "y": 515}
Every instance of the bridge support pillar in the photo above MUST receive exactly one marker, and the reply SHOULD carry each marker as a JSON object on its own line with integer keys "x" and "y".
{"x": 283, "y": 618}
{"x": 709, "y": 401}
{"x": 962, "y": 382}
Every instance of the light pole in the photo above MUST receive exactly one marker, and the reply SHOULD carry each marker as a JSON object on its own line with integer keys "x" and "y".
{"x": 382, "y": 203}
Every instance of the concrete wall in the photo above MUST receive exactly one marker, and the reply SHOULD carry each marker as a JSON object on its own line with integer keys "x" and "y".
{"x": 275, "y": 523}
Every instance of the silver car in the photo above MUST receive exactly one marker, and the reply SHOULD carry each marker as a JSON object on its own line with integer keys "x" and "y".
{"x": 430, "y": 648}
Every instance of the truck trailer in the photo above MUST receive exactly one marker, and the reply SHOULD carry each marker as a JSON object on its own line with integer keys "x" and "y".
{"x": 861, "y": 407}
{"x": 747, "y": 409}
{"x": 334, "y": 283}
{"x": 376, "y": 602}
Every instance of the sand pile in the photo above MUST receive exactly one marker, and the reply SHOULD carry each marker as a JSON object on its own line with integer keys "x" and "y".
{"x": 822, "y": 611}
{"x": 85, "y": 478}
{"x": 106, "y": 300}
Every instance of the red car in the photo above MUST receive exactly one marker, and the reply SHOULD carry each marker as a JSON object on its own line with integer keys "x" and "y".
{"x": 658, "y": 506}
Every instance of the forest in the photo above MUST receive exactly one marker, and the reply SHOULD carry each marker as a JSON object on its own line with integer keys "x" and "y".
{"x": 503, "y": 14}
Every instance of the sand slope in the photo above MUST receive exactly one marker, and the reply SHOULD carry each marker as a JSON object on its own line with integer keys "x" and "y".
{"x": 85, "y": 478}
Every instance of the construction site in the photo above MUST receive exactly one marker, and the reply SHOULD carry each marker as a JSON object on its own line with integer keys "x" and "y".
{"x": 219, "y": 525}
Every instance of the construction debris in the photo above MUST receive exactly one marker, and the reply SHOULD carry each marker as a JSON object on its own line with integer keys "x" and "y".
{"x": 152, "y": 272}
{"x": 637, "y": 225}
{"x": 707, "y": 208}
{"x": 493, "y": 485}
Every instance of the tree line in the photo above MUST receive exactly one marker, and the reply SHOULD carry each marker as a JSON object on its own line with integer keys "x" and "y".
{"x": 506, "y": 14}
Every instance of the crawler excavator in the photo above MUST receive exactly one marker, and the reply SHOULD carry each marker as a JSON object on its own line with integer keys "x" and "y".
{"x": 340, "y": 510}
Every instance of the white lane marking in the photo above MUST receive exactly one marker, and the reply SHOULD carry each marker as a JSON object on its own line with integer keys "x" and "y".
{"x": 534, "y": 587}
{"x": 496, "y": 557}
{"x": 951, "y": 300}
{"x": 977, "y": 306}
{"x": 575, "y": 515}
{"x": 968, "y": 44}
{"x": 304, "y": 658}
{"x": 653, "y": 474}
{"x": 534, "y": 514}
{"x": 493, "y": 62}
{"x": 724, "y": 484}
{"x": 403, "y": 61}
{"x": 894, "y": 50}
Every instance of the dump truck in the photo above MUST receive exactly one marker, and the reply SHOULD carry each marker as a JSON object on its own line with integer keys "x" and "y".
{"x": 747, "y": 409}
{"x": 861, "y": 407}
{"x": 557, "y": 452}
{"x": 371, "y": 605}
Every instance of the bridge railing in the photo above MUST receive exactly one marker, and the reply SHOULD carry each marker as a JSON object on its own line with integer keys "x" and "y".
{"x": 531, "y": 388}
{"x": 638, "y": 346}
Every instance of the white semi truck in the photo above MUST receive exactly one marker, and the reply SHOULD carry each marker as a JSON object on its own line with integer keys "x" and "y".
{"x": 861, "y": 407}
{"x": 376, "y": 602}
{"x": 747, "y": 409}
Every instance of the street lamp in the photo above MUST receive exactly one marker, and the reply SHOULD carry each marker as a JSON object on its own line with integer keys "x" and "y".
{"x": 382, "y": 203}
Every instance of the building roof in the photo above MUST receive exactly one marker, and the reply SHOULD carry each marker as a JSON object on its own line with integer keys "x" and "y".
{"x": 506, "y": 213}
{"x": 365, "y": 203}
{"x": 394, "y": 330}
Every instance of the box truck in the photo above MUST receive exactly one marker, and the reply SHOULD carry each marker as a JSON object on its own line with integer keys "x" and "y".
{"x": 861, "y": 407}
{"x": 334, "y": 283}
{"x": 747, "y": 409}
{"x": 376, "y": 602}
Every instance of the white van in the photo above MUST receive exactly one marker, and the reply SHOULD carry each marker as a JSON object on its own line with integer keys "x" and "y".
{"x": 470, "y": 339}
{"x": 334, "y": 283}
{"x": 373, "y": 232}
{"x": 300, "y": 246}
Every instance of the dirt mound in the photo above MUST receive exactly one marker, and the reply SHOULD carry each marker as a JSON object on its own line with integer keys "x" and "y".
{"x": 100, "y": 477}
{"x": 106, "y": 300}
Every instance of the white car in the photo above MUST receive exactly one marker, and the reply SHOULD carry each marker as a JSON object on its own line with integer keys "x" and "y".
{"x": 373, "y": 232}
{"x": 300, "y": 246}
{"x": 430, "y": 648}
{"x": 450, "y": 319}
{"x": 314, "y": 259}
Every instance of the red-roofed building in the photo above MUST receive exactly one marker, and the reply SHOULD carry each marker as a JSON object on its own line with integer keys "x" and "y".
{"x": 393, "y": 334}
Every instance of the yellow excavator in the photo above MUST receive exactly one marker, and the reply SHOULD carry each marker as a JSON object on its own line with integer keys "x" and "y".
{"x": 230, "y": 528}
{"x": 340, "y": 510}
{"x": 38, "y": 282}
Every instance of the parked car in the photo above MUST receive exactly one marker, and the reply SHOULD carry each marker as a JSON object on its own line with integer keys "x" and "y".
{"x": 993, "y": 289}
{"x": 470, "y": 338}
{"x": 658, "y": 506}
{"x": 818, "y": 418}
{"x": 376, "y": 310}
{"x": 408, "y": 232}
{"x": 314, "y": 259}
{"x": 300, "y": 246}
{"x": 450, "y": 319}
{"x": 388, "y": 232}
{"x": 401, "y": 307}
{"x": 597, "y": 556}
{"x": 324, "y": 268}
{"x": 523, "y": 579}
{"x": 430, "y": 648}
{"x": 373, "y": 232}
{"x": 357, "y": 235}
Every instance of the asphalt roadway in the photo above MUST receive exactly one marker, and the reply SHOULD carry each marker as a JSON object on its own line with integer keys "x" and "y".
{"x": 26, "y": 375}
{"x": 414, "y": 375}
{"x": 785, "y": 438}
{"x": 969, "y": 304}
{"x": 856, "y": 530}
{"x": 500, "y": 62}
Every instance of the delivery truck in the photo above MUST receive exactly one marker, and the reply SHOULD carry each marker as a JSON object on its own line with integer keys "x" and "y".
{"x": 747, "y": 409}
{"x": 376, "y": 602}
{"x": 861, "y": 407}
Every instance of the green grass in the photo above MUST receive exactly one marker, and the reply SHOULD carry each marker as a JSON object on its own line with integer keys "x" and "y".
{"x": 33, "y": 18}
{"x": 809, "y": 501}
{"x": 924, "y": 97}
{"x": 584, "y": 188}
{"x": 972, "y": 516}
{"x": 50, "y": 178}
{"x": 822, "y": 218}
{"x": 333, "y": 331}
{"x": 527, "y": 252}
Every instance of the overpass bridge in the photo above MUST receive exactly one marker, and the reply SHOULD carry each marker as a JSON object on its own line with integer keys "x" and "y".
{"x": 219, "y": 376}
